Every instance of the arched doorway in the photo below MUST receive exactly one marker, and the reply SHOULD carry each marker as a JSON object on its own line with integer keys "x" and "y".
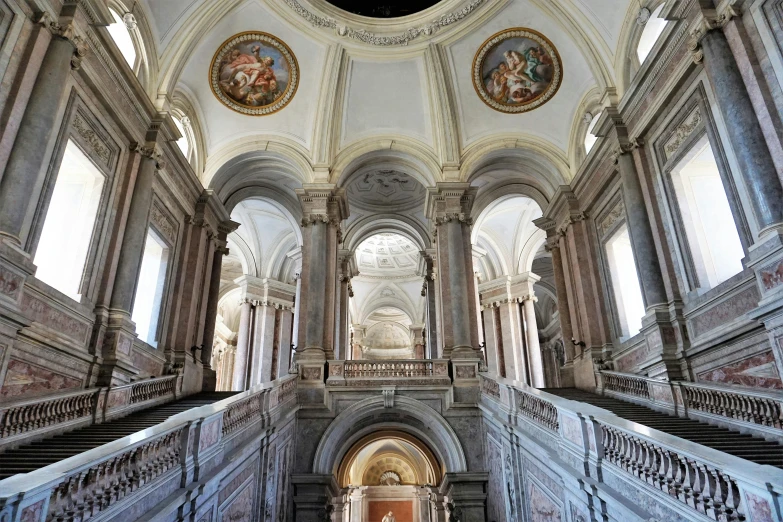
{"x": 389, "y": 471}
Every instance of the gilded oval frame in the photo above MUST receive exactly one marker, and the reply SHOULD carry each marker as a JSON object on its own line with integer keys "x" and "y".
{"x": 249, "y": 110}
{"x": 495, "y": 40}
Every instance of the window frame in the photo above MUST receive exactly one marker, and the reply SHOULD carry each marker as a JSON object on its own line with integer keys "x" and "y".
{"x": 86, "y": 141}
{"x": 667, "y": 164}
{"x": 606, "y": 225}
{"x": 164, "y": 301}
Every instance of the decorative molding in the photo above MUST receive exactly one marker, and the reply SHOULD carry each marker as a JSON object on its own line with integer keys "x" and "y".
{"x": 93, "y": 140}
{"x": 150, "y": 151}
{"x": 163, "y": 224}
{"x": 612, "y": 217}
{"x": 728, "y": 11}
{"x": 683, "y": 132}
{"x": 67, "y": 32}
{"x": 367, "y": 37}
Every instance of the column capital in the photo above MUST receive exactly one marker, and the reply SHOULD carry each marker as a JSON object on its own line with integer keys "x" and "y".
{"x": 450, "y": 201}
{"x": 711, "y": 20}
{"x": 150, "y": 150}
{"x": 323, "y": 203}
{"x": 66, "y": 30}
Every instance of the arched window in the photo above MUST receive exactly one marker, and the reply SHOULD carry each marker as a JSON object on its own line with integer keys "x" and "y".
{"x": 184, "y": 143}
{"x": 653, "y": 27}
{"x": 120, "y": 33}
{"x": 591, "y": 138}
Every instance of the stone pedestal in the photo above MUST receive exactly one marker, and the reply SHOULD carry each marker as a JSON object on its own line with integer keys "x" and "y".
{"x": 313, "y": 497}
{"x": 465, "y": 496}
{"x": 448, "y": 208}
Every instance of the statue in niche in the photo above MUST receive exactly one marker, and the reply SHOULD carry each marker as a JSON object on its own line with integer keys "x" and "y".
{"x": 389, "y": 518}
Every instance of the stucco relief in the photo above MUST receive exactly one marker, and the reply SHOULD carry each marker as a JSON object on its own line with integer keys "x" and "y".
{"x": 542, "y": 508}
{"x": 23, "y": 378}
{"x": 466, "y": 372}
{"x": 311, "y": 374}
{"x": 758, "y": 371}
{"x": 683, "y": 132}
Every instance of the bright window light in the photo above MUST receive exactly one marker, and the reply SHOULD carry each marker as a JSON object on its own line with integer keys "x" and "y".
{"x": 69, "y": 223}
{"x": 625, "y": 281}
{"x": 182, "y": 143}
{"x": 149, "y": 290}
{"x": 709, "y": 224}
{"x": 591, "y": 138}
{"x": 652, "y": 31}
{"x": 121, "y": 36}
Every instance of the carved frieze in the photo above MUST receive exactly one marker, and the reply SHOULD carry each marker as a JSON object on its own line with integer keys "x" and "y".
{"x": 611, "y": 218}
{"x": 163, "y": 223}
{"x": 96, "y": 143}
{"x": 684, "y": 131}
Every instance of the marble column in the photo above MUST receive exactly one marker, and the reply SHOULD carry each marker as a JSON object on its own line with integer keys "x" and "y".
{"x": 324, "y": 207}
{"x": 448, "y": 207}
{"x": 640, "y": 230}
{"x": 742, "y": 125}
{"x": 429, "y": 292}
{"x": 120, "y": 332}
{"x": 512, "y": 334}
{"x": 563, "y": 309}
{"x": 533, "y": 344}
{"x": 297, "y": 300}
{"x": 213, "y": 299}
{"x": 243, "y": 347}
{"x": 23, "y": 178}
{"x": 286, "y": 326}
{"x": 417, "y": 341}
{"x": 491, "y": 340}
{"x": 344, "y": 293}
{"x": 263, "y": 346}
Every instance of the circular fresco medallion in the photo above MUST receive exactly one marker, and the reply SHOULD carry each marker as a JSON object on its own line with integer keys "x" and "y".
{"x": 517, "y": 70}
{"x": 254, "y": 73}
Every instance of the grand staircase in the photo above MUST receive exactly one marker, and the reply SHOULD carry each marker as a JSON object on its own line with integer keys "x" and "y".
{"x": 39, "y": 454}
{"x": 754, "y": 449}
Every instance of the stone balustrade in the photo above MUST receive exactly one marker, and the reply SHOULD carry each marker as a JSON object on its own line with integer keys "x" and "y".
{"x": 635, "y": 461}
{"x": 31, "y": 419}
{"x": 24, "y": 417}
{"x": 373, "y": 373}
{"x": 110, "y": 480}
{"x": 748, "y": 409}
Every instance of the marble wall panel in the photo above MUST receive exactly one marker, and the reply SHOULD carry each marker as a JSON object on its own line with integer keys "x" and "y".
{"x": 56, "y": 319}
{"x": 495, "y": 496}
{"x": 150, "y": 365}
{"x": 758, "y": 508}
{"x": 758, "y": 371}
{"x": 210, "y": 434}
{"x": 23, "y": 379}
{"x": 542, "y": 508}
{"x": 241, "y": 507}
{"x": 724, "y": 312}
{"x": 33, "y": 512}
{"x": 236, "y": 481}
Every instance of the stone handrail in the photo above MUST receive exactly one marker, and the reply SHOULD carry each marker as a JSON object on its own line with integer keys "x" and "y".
{"x": 412, "y": 371}
{"x": 748, "y": 408}
{"x": 30, "y": 419}
{"x": 721, "y": 486}
{"x": 113, "y": 475}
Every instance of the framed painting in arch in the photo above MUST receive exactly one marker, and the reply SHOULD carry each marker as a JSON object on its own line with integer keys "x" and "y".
{"x": 517, "y": 70}
{"x": 254, "y": 73}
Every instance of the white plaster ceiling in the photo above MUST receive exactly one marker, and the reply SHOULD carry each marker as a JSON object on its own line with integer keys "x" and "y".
{"x": 387, "y": 254}
{"x": 506, "y": 238}
{"x": 265, "y": 240}
{"x": 382, "y": 190}
{"x": 389, "y": 455}
{"x": 381, "y": 91}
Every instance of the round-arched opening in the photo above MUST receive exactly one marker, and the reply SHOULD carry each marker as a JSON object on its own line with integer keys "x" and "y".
{"x": 389, "y": 458}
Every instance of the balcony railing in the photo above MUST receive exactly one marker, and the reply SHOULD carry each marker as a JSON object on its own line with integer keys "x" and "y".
{"x": 713, "y": 484}
{"x": 422, "y": 371}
